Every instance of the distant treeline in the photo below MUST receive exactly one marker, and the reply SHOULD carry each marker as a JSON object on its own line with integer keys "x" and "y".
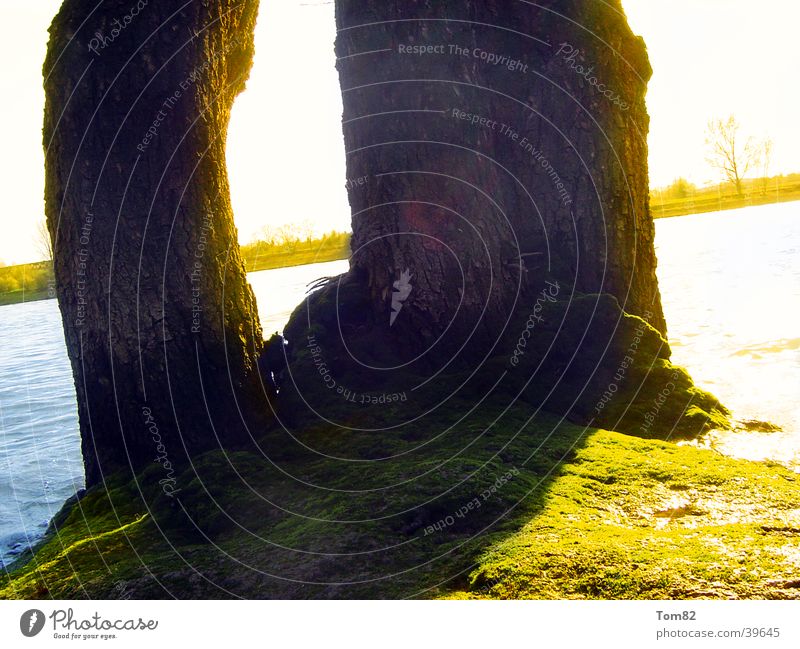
{"x": 26, "y": 282}
{"x": 281, "y": 249}
{"x": 682, "y": 197}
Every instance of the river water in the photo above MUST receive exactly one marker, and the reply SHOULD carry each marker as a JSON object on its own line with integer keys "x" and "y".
{"x": 730, "y": 283}
{"x": 40, "y": 456}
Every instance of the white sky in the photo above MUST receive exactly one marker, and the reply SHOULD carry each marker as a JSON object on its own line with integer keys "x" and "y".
{"x": 712, "y": 58}
{"x": 285, "y": 147}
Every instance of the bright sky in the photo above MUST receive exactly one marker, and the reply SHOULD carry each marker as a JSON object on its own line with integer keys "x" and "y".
{"x": 285, "y": 147}
{"x": 712, "y": 58}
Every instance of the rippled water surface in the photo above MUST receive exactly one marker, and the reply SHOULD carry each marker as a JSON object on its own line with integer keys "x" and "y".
{"x": 40, "y": 457}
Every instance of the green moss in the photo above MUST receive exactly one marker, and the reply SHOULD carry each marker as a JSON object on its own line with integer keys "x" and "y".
{"x": 89, "y": 549}
{"x": 611, "y": 370}
{"x": 494, "y": 501}
{"x": 583, "y": 513}
{"x": 643, "y": 519}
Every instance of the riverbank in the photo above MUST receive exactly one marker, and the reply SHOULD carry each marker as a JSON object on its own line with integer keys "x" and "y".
{"x": 298, "y": 258}
{"x": 26, "y": 283}
{"x": 478, "y": 499}
{"x": 569, "y": 512}
{"x": 592, "y": 514}
{"x": 717, "y": 200}
{"x": 265, "y": 255}
{"x": 23, "y": 297}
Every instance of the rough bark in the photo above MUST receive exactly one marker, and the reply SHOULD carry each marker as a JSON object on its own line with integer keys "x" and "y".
{"x": 473, "y": 211}
{"x": 496, "y": 159}
{"x": 160, "y": 323}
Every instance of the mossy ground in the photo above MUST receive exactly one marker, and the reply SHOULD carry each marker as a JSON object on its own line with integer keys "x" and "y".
{"x": 641, "y": 519}
{"x": 488, "y": 496}
{"x": 586, "y": 514}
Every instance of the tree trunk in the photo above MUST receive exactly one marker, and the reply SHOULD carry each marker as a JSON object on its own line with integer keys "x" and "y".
{"x": 512, "y": 148}
{"x": 160, "y": 323}
{"x": 496, "y": 156}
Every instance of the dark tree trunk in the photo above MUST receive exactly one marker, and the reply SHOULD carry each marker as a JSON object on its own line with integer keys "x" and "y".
{"x": 485, "y": 177}
{"x": 160, "y": 323}
{"x": 496, "y": 150}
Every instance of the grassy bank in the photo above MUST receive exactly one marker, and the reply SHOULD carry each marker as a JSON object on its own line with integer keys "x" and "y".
{"x": 593, "y": 514}
{"x": 26, "y": 283}
{"x": 268, "y": 255}
{"x": 490, "y": 498}
{"x": 20, "y": 297}
{"x": 716, "y": 199}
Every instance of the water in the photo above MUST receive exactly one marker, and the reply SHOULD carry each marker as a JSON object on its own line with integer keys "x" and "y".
{"x": 279, "y": 291}
{"x": 730, "y": 282}
{"x": 40, "y": 457}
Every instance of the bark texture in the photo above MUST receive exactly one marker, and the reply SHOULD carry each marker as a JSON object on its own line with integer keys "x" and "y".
{"x": 497, "y": 161}
{"x": 160, "y": 323}
{"x": 513, "y": 147}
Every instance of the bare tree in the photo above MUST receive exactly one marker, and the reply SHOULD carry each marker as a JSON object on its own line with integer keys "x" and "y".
{"x": 267, "y": 234}
{"x": 288, "y": 235}
{"x": 766, "y": 159}
{"x": 306, "y": 230}
{"x": 728, "y": 153}
{"x": 44, "y": 244}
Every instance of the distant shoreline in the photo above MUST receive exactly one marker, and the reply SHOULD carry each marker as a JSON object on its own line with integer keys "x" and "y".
{"x": 267, "y": 262}
{"x": 311, "y": 253}
{"x": 275, "y": 262}
{"x": 711, "y": 201}
{"x": 23, "y": 297}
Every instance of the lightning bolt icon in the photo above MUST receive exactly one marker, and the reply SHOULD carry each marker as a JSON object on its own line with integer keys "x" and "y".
{"x": 32, "y": 621}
